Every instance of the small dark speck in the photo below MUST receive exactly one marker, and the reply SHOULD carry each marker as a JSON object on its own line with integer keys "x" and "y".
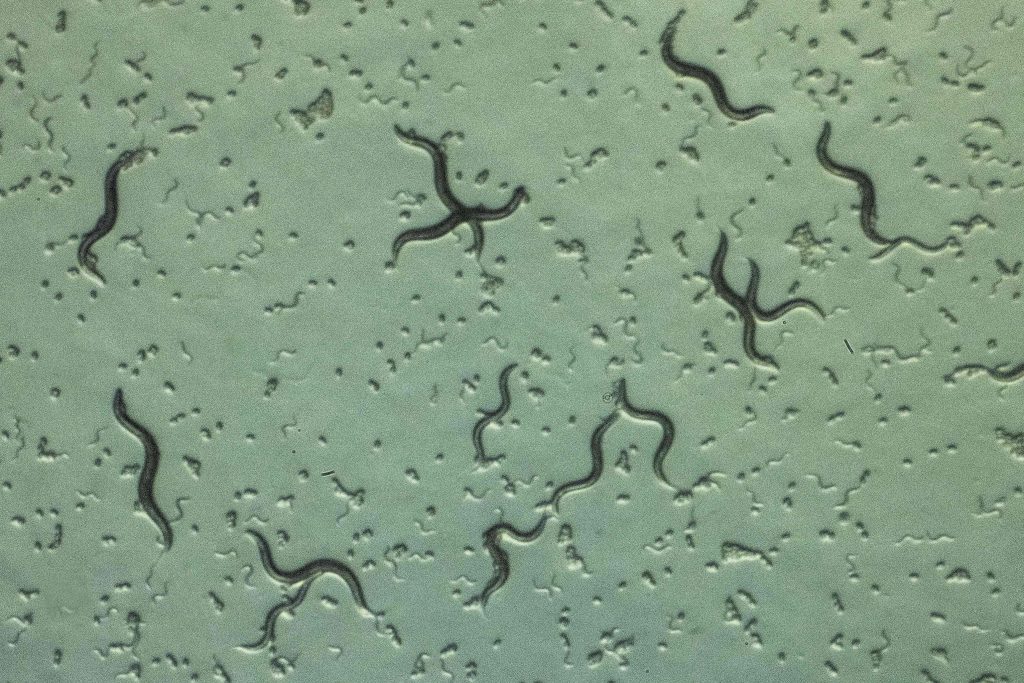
{"x": 850, "y": 348}
{"x": 327, "y": 474}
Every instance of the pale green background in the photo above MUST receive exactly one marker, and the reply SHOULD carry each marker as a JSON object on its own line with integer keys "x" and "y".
{"x": 881, "y": 502}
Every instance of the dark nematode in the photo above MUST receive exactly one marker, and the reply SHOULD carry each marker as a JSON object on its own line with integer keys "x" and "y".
{"x": 430, "y": 232}
{"x": 499, "y": 558}
{"x": 768, "y": 315}
{"x": 440, "y": 160}
{"x": 596, "y": 463}
{"x": 747, "y": 307}
{"x": 149, "y": 468}
{"x": 668, "y": 431}
{"x": 1006, "y": 376}
{"x": 310, "y": 571}
{"x": 270, "y": 621}
{"x": 868, "y": 201}
{"x": 740, "y": 304}
{"x": 705, "y": 75}
{"x": 458, "y": 213}
{"x": 105, "y": 223}
{"x": 491, "y": 416}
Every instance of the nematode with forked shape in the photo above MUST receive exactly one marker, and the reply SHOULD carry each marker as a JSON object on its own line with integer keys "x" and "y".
{"x": 622, "y": 406}
{"x": 458, "y": 213}
{"x": 149, "y": 467}
{"x": 705, "y": 75}
{"x": 747, "y": 307}
{"x": 105, "y": 223}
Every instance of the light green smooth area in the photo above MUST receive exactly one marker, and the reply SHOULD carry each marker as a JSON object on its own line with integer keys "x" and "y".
{"x": 854, "y": 514}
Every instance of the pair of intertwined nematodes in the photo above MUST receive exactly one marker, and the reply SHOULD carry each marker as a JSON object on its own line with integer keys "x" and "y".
{"x": 704, "y": 74}
{"x": 149, "y": 467}
{"x": 458, "y": 213}
{"x": 490, "y": 416}
{"x": 868, "y": 202}
{"x": 499, "y": 558}
{"x": 747, "y": 307}
{"x": 105, "y": 223}
{"x": 622, "y": 406}
{"x": 303, "y": 577}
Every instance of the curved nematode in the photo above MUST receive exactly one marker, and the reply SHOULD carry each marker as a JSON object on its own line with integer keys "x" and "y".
{"x": 289, "y": 604}
{"x": 490, "y": 416}
{"x": 499, "y": 558}
{"x": 668, "y": 430}
{"x": 458, "y": 213}
{"x": 623, "y": 406}
{"x": 105, "y": 223}
{"x": 310, "y": 571}
{"x": 868, "y": 202}
{"x": 999, "y": 373}
{"x": 149, "y": 468}
{"x": 747, "y": 307}
{"x": 596, "y": 463}
{"x": 705, "y": 75}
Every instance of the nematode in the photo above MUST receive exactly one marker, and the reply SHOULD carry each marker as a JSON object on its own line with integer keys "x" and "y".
{"x": 499, "y": 558}
{"x": 491, "y": 416}
{"x": 668, "y": 431}
{"x": 105, "y": 223}
{"x": 310, "y": 571}
{"x": 705, "y": 75}
{"x": 149, "y": 467}
{"x": 868, "y": 201}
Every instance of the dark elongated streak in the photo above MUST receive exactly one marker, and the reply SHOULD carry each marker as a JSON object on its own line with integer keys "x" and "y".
{"x": 492, "y": 416}
{"x": 150, "y": 465}
{"x": 105, "y": 223}
{"x": 499, "y": 557}
{"x": 311, "y": 570}
{"x": 705, "y": 75}
{"x": 868, "y": 202}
